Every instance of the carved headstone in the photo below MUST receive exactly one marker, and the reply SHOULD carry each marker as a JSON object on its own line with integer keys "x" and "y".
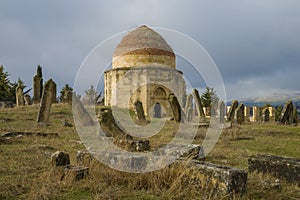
{"x": 198, "y": 104}
{"x": 27, "y": 99}
{"x": 188, "y": 103}
{"x": 266, "y": 115}
{"x": 287, "y": 115}
{"x": 54, "y": 93}
{"x": 37, "y": 86}
{"x": 140, "y": 110}
{"x": 239, "y": 113}
{"x": 189, "y": 114}
{"x": 175, "y": 106}
{"x": 247, "y": 113}
{"x": 19, "y": 95}
{"x": 46, "y": 102}
{"x": 80, "y": 113}
{"x": 233, "y": 107}
{"x": 256, "y": 114}
{"x": 60, "y": 159}
{"x": 222, "y": 111}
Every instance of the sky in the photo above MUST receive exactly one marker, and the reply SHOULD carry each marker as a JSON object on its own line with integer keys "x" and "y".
{"x": 255, "y": 44}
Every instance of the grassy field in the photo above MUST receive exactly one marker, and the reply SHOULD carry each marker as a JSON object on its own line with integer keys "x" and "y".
{"x": 26, "y": 172}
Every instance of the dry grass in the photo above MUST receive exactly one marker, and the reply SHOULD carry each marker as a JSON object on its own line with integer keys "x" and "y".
{"x": 26, "y": 173}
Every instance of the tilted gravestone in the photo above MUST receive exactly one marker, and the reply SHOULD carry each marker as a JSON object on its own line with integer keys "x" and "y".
{"x": 287, "y": 115}
{"x": 80, "y": 113}
{"x": 222, "y": 111}
{"x": 231, "y": 112}
{"x": 140, "y": 110}
{"x": 175, "y": 106}
{"x": 46, "y": 102}
{"x": 19, "y": 96}
{"x": 37, "y": 86}
{"x": 188, "y": 103}
{"x": 266, "y": 115}
{"x": 240, "y": 114}
{"x": 198, "y": 105}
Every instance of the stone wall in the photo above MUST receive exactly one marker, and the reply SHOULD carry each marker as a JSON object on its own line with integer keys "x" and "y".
{"x": 142, "y": 83}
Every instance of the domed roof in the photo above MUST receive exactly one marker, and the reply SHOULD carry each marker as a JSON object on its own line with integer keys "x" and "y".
{"x": 144, "y": 41}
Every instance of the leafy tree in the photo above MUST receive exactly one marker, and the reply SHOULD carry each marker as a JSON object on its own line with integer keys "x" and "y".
{"x": 5, "y": 85}
{"x": 208, "y": 97}
{"x": 66, "y": 94}
{"x": 92, "y": 96}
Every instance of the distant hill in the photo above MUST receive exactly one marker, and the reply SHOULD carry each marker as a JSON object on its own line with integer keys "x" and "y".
{"x": 275, "y": 100}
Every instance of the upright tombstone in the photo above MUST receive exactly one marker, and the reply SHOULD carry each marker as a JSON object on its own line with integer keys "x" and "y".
{"x": 247, "y": 113}
{"x": 175, "y": 106}
{"x": 222, "y": 111}
{"x": 188, "y": 103}
{"x": 189, "y": 114}
{"x": 19, "y": 95}
{"x": 295, "y": 116}
{"x": 27, "y": 99}
{"x": 266, "y": 115}
{"x": 233, "y": 107}
{"x": 37, "y": 86}
{"x": 54, "y": 93}
{"x": 46, "y": 101}
{"x": 287, "y": 115}
{"x": 140, "y": 110}
{"x": 256, "y": 114}
{"x": 198, "y": 105}
{"x": 240, "y": 114}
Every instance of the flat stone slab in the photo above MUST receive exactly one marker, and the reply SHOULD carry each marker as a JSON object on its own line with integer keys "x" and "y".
{"x": 217, "y": 179}
{"x": 15, "y": 134}
{"x": 75, "y": 173}
{"x": 281, "y": 167}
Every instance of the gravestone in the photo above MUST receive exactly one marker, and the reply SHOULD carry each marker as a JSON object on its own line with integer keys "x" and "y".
{"x": 175, "y": 106}
{"x": 60, "y": 158}
{"x": 287, "y": 115}
{"x": 295, "y": 116}
{"x": 282, "y": 167}
{"x": 256, "y": 114}
{"x": 80, "y": 113}
{"x": 54, "y": 93}
{"x": 198, "y": 105}
{"x": 37, "y": 86}
{"x": 27, "y": 99}
{"x": 46, "y": 101}
{"x": 266, "y": 115}
{"x": 231, "y": 112}
{"x": 19, "y": 96}
{"x": 189, "y": 114}
{"x": 247, "y": 113}
{"x": 188, "y": 103}
{"x": 222, "y": 111}
{"x": 239, "y": 114}
{"x": 140, "y": 110}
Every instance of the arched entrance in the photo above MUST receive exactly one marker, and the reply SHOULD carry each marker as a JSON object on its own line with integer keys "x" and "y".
{"x": 157, "y": 110}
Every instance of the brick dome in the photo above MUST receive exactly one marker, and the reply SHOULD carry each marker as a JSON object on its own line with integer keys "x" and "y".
{"x": 143, "y": 47}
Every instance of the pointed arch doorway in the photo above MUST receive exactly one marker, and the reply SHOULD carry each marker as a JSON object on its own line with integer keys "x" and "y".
{"x": 157, "y": 110}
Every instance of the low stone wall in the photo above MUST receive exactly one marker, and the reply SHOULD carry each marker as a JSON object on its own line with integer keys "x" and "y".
{"x": 216, "y": 178}
{"x": 281, "y": 167}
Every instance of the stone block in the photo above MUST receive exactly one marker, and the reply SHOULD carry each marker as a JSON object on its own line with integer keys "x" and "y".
{"x": 60, "y": 158}
{"x": 281, "y": 167}
{"x": 216, "y": 178}
{"x": 75, "y": 173}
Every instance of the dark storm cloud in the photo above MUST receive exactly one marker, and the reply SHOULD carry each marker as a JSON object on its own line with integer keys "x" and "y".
{"x": 255, "y": 44}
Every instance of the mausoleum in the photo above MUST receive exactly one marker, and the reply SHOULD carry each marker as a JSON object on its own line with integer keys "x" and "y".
{"x": 144, "y": 69}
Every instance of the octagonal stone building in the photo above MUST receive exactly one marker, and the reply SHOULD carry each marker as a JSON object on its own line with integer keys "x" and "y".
{"x": 144, "y": 69}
